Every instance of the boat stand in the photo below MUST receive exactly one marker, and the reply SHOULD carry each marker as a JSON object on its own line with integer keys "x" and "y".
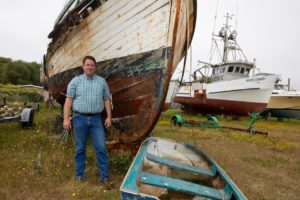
{"x": 212, "y": 122}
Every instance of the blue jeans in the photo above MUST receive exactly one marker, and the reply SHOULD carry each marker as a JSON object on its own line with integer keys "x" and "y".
{"x": 83, "y": 127}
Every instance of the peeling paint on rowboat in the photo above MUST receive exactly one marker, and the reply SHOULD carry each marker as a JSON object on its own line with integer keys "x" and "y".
{"x": 167, "y": 169}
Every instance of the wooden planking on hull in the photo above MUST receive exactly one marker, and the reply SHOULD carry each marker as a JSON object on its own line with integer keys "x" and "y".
{"x": 131, "y": 68}
{"x": 105, "y": 43}
{"x": 135, "y": 85}
{"x": 137, "y": 66}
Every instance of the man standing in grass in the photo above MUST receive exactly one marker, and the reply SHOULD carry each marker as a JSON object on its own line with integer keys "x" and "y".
{"x": 88, "y": 95}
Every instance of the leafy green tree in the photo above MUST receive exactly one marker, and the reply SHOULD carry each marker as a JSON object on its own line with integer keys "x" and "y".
{"x": 4, "y": 60}
{"x": 18, "y": 72}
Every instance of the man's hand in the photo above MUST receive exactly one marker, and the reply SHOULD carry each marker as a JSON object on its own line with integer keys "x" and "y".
{"x": 67, "y": 109}
{"x": 67, "y": 124}
{"x": 107, "y": 122}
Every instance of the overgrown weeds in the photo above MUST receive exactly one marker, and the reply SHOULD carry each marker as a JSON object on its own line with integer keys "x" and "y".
{"x": 258, "y": 165}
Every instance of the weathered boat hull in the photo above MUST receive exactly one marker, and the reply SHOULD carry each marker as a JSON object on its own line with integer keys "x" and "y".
{"x": 282, "y": 113}
{"x": 234, "y": 97}
{"x": 167, "y": 169}
{"x": 137, "y": 45}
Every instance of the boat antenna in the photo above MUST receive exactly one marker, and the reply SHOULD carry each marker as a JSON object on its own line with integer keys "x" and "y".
{"x": 236, "y": 14}
{"x": 225, "y": 37}
{"x": 214, "y": 27}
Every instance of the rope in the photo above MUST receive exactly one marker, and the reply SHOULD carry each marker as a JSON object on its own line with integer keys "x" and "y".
{"x": 183, "y": 69}
{"x": 49, "y": 102}
{"x": 195, "y": 144}
{"x": 187, "y": 42}
{"x": 222, "y": 194}
{"x": 65, "y": 135}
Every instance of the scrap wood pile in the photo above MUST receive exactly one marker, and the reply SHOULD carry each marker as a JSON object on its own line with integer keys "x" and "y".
{"x": 10, "y": 111}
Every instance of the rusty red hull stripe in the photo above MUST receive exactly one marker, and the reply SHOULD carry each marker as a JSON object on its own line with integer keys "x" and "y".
{"x": 214, "y": 106}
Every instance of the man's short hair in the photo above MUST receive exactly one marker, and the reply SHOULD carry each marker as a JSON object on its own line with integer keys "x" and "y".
{"x": 88, "y": 57}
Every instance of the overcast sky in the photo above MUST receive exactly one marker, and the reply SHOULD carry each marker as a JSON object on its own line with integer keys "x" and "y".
{"x": 268, "y": 30}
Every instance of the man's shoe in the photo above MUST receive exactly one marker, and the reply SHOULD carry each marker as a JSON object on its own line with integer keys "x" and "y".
{"x": 106, "y": 185}
{"x": 78, "y": 179}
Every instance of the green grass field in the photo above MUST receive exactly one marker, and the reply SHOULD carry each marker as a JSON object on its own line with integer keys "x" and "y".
{"x": 262, "y": 167}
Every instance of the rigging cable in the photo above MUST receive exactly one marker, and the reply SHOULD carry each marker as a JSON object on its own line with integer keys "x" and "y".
{"x": 214, "y": 27}
{"x": 236, "y": 15}
{"x": 183, "y": 69}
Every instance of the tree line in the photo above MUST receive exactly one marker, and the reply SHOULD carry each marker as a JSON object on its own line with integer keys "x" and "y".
{"x": 19, "y": 72}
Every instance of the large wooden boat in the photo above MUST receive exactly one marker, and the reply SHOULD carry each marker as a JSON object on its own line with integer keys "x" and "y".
{"x": 166, "y": 169}
{"x": 235, "y": 87}
{"x": 137, "y": 45}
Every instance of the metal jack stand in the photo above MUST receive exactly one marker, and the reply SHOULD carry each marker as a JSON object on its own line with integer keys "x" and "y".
{"x": 253, "y": 118}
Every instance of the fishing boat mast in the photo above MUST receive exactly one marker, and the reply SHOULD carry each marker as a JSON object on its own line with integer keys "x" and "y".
{"x": 229, "y": 41}
{"x": 224, "y": 35}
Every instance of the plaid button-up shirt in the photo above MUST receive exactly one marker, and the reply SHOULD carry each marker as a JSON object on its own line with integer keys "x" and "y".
{"x": 88, "y": 93}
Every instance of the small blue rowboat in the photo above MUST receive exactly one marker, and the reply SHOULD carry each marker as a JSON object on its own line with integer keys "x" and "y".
{"x": 166, "y": 169}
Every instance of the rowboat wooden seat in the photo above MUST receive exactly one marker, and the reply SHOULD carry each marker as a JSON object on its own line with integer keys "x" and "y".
{"x": 183, "y": 186}
{"x": 183, "y": 167}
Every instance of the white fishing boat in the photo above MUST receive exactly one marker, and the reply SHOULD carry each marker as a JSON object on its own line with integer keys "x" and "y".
{"x": 284, "y": 103}
{"x": 236, "y": 86}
